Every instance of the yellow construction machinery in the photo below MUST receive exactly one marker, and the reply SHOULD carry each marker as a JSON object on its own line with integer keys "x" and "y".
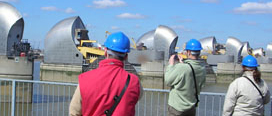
{"x": 89, "y": 51}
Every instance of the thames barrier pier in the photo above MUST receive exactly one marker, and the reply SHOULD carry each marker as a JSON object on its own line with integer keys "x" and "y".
{"x": 15, "y": 57}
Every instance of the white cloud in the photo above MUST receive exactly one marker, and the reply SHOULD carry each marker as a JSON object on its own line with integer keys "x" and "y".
{"x": 181, "y": 27}
{"x": 53, "y": 8}
{"x": 131, "y": 16}
{"x": 69, "y": 10}
{"x": 115, "y": 27}
{"x": 49, "y": 8}
{"x": 10, "y": 0}
{"x": 251, "y": 23}
{"x": 254, "y": 8}
{"x": 210, "y": 1}
{"x": 107, "y": 3}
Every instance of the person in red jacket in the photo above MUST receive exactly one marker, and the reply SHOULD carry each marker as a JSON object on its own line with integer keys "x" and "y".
{"x": 99, "y": 89}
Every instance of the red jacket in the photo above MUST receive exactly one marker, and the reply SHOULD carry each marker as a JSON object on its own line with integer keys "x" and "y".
{"x": 99, "y": 86}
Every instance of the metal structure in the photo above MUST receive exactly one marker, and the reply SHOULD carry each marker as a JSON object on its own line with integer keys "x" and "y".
{"x": 165, "y": 39}
{"x": 16, "y": 59}
{"x": 12, "y": 27}
{"x": 233, "y": 47}
{"x": 258, "y": 52}
{"x": 146, "y": 40}
{"x": 60, "y": 43}
{"x": 269, "y": 50}
{"x": 245, "y": 50}
{"x": 157, "y": 45}
{"x": 209, "y": 45}
{"x": 33, "y": 98}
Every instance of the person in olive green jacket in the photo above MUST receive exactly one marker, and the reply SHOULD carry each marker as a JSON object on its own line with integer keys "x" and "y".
{"x": 183, "y": 96}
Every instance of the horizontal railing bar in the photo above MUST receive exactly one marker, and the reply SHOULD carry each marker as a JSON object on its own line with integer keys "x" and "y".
{"x": 40, "y": 82}
{"x": 202, "y": 93}
{"x": 72, "y": 84}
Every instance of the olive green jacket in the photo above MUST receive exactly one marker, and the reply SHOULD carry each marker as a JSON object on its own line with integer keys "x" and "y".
{"x": 180, "y": 78}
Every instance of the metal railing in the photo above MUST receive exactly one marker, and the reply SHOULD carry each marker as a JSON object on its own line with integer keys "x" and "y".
{"x": 39, "y": 98}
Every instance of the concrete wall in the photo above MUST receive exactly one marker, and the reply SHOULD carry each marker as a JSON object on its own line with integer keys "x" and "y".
{"x": 214, "y": 59}
{"x": 60, "y": 73}
{"x": 152, "y": 69}
{"x": 227, "y": 72}
{"x": 228, "y": 68}
{"x": 17, "y": 68}
{"x": 139, "y": 57}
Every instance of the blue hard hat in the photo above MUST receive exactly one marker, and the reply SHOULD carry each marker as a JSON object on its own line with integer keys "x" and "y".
{"x": 118, "y": 42}
{"x": 193, "y": 45}
{"x": 250, "y": 61}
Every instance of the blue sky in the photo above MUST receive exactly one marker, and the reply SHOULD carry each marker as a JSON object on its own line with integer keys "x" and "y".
{"x": 247, "y": 20}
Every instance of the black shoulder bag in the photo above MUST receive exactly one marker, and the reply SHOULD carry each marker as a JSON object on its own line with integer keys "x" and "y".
{"x": 255, "y": 87}
{"x": 197, "y": 99}
{"x": 117, "y": 99}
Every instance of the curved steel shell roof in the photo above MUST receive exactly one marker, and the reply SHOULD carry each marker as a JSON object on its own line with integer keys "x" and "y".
{"x": 233, "y": 46}
{"x": 163, "y": 36}
{"x": 165, "y": 39}
{"x": 245, "y": 49}
{"x": 258, "y": 52}
{"x": 161, "y": 39}
{"x": 208, "y": 45}
{"x": 60, "y": 43}
{"x": 269, "y": 50}
{"x": 147, "y": 39}
{"x": 11, "y": 27}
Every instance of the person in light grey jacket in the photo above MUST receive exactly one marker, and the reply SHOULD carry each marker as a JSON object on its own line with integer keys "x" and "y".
{"x": 248, "y": 94}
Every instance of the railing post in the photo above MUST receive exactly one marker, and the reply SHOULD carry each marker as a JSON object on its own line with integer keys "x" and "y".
{"x": 270, "y": 107}
{"x": 13, "y": 100}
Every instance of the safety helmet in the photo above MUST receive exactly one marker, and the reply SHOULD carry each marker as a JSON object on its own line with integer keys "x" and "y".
{"x": 250, "y": 61}
{"x": 193, "y": 45}
{"x": 118, "y": 42}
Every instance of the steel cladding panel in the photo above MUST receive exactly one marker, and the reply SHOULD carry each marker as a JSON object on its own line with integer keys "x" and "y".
{"x": 163, "y": 38}
{"x": 234, "y": 47}
{"x": 15, "y": 35}
{"x": 269, "y": 50}
{"x": 245, "y": 49}
{"x": 11, "y": 27}
{"x": 258, "y": 52}
{"x": 208, "y": 45}
{"x": 60, "y": 45}
{"x": 147, "y": 39}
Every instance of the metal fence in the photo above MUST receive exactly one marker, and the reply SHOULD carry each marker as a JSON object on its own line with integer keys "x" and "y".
{"x": 39, "y": 98}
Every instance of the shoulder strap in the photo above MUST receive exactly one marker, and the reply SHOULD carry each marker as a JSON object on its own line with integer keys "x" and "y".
{"x": 197, "y": 99}
{"x": 255, "y": 87}
{"x": 117, "y": 99}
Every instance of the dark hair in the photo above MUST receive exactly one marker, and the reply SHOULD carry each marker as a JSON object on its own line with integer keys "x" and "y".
{"x": 195, "y": 53}
{"x": 256, "y": 73}
{"x": 116, "y": 55}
